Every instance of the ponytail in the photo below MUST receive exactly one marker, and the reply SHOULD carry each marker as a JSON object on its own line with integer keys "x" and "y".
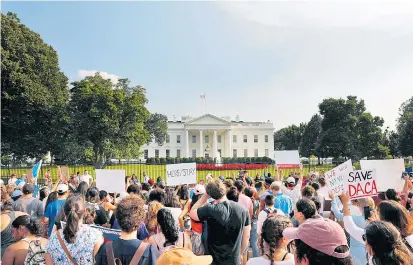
{"x": 74, "y": 210}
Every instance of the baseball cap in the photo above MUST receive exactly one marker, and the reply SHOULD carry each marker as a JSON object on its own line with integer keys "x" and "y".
{"x": 321, "y": 234}
{"x": 28, "y": 188}
{"x": 221, "y": 178}
{"x": 200, "y": 189}
{"x": 21, "y": 184}
{"x": 269, "y": 181}
{"x": 16, "y": 193}
{"x": 290, "y": 180}
{"x": 62, "y": 188}
{"x": 179, "y": 256}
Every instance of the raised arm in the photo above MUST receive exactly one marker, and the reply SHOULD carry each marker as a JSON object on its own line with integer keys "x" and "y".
{"x": 181, "y": 218}
{"x": 355, "y": 231}
{"x": 194, "y": 210}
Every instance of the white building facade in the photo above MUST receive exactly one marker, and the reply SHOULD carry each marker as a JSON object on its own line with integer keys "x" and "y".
{"x": 210, "y": 137}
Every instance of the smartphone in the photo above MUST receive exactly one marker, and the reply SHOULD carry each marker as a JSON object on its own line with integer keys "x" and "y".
{"x": 405, "y": 174}
{"x": 367, "y": 211}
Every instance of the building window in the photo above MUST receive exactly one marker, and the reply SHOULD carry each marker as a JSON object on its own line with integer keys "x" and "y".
{"x": 168, "y": 138}
{"x": 245, "y": 152}
{"x": 156, "y": 153}
{"x": 206, "y": 156}
{"x": 145, "y": 154}
{"x": 255, "y": 152}
{"x": 219, "y": 139}
{"x": 245, "y": 138}
{"x": 178, "y": 139}
{"x": 168, "y": 153}
{"x": 234, "y": 138}
{"x": 266, "y": 138}
{"x": 255, "y": 138}
{"x": 234, "y": 153}
{"x": 194, "y": 139}
{"x": 178, "y": 153}
{"x": 207, "y": 139}
{"x": 194, "y": 153}
{"x": 266, "y": 153}
{"x": 219, "y": 152}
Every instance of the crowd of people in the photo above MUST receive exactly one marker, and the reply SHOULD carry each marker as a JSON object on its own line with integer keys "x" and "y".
{"x": 266, "y": 220}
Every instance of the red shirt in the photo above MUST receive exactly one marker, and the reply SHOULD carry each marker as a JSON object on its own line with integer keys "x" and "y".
{"x": 195, "y": 226}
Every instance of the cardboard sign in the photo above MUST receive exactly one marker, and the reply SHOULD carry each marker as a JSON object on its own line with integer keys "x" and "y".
{"x": 29, "y": 176}
{"x": 63, "y": 173}
{"x": 336, "y": 178}
{"x": 388, "y": 173}
{"x": 362, "y": 183}
{"x": 177, "y": 174}
{"x": 110, "y": 180}
{"x": 287, "y": 159}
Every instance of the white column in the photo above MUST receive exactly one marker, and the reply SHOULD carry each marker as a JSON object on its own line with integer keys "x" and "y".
{"x": 187, "y": 143}
{"x": 229, "y": 145}
{"x": 201, "y": 144}
{"x": 215, "y": 152}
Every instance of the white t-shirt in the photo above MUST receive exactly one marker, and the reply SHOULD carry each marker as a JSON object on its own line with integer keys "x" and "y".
{"x": 324, "y": 191}
{"x": 263, "y": 261}
{"x": 262, "y": 217}
{"x": 85, "y": 178}
{"x": 12, "y": 181}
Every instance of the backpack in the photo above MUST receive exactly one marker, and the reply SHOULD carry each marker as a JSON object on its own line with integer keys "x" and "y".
{"x": 35, "y": 254}
{"x": 270, "y": 212}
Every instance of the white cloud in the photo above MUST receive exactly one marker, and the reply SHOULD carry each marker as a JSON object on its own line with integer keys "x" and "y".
{"x": 83, "y": 73}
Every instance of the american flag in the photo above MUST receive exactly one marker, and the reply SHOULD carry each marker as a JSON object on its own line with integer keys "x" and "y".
{"x": 202, "y": 96}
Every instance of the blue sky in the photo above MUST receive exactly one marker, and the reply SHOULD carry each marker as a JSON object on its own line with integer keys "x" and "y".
{"x": 264, "y": 61}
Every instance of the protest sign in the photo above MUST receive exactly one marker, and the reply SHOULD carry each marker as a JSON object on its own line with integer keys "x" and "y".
{"x": 63, "y": 173}
{"x": 184, "y": 173}
{"x": 287, "y": 159}
{"x": 29, "y": 176}
{"x": 362, "y": 183}
{"x": 388, "y": 173}
{"x": 336, "y": 178}
{"x": 111, "y": 180}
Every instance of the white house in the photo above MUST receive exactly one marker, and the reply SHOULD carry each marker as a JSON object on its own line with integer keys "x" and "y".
{"x": 211, "y": 136}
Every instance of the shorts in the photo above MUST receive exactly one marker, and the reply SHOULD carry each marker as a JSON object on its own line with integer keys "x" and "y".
{"x": 197, "y": 245}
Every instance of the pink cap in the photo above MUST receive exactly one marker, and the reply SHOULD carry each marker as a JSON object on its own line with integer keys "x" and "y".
{"x": 200, "y": 189}
{"x": 321, "y": 234}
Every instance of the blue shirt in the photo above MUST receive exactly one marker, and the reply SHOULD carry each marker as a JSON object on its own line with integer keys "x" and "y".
{"x": 283, "y": 202}
{"x": 51, "y": 212}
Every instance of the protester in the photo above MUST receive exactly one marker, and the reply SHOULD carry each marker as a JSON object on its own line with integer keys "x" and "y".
{"x": 251, "y": 194}
{"x": 53, "y": 208}
{"x": 266, "y": 191}
{"x": 151, "y": 220}
{"x": 319, "y": 241}
{"x": 172, "y": 203}
{"x": 269, "y": 208}
{"x": 5, "y": 196}
{"x": 134, "y": 189}
{"x": 157, "y": 195}
{"x": 323, "y": 190}
{"x": 291, "y": 187}
{"x": 146, "y": 187}
{"x": 282, "y": 202}
{"x": 76, "y": 243}
{"x": 242, "y": 198}
{"x": 146, "y": 178}
{"x": 29, "y": 246}
{"x": 106, "y": 202}
{"x": 273, "y": 243}
{"x": 86, "y": 178}
{"x": 184, "y": 198}
{"x": 228, "y": 183}
{"x": 228, "y": 225}
{"x": 384, "y": 244}
{"x": 43, "y": 195}
{"x": 169, "y": 235}
{"x": 16, "y": 195}
{"x": 304, "y": 209}
{"x": 92, "y": 198}
{"x": 12, "y": 179}
{"x": 27, "y": 203}
{"x": 90, "y": 214}
{"x": 82, "y": 189}
{"x": 127, "y": 248}
{"x": 8, "y": 215}
{"x": 233, "y": 194}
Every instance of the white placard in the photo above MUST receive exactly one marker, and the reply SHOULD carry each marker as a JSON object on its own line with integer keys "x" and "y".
{"x": 336, "y": 179}
{"x": 184, "y": 173}
{"x": 362, "y": 183}
{"x": 110, "y": 180}
{"x": 389, "y": 173}
{"x": 287, "y": 159}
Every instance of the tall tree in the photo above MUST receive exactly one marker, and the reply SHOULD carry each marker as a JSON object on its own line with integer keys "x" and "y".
{"x": 347, "y": 130}
{"x": 405, "y": 128}
{"x": 289, "y": 138}
{"x": 310, "y": 136}
{"x": 34, "y": 91}
{"x": 111, "y": 119}
{"x": 157, "y": 125}
{"x": 391, "y": 140}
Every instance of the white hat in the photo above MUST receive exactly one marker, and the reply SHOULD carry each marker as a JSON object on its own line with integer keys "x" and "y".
{"x": 21, "y": 184}
{"x": 62, "y": 188}
{"x": 290, "y": 180}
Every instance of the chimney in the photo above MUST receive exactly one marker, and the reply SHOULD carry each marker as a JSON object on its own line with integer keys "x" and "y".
{"x": 237, "y": 118}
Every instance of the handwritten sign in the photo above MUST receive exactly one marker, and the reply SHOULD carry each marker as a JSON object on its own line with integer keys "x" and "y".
{"x": 336, "y": 178}
{"x": 110, "y": 180}
{"x": 287, "y": 159}
{"x": 63, "y": 173}
{"x": 184, "y": 173}
{"x": 388, "y": 173}
{"x": 362, "y": 183}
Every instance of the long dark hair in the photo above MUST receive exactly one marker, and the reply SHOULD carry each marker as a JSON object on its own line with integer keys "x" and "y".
{"x": 387, "y": 245}
{"x": 272, "y": 233}
{"x": 82, "y": 189}
{"x": 33, "y": 224}
{"x": 170, "y": 199}
{"x": 168, "y": 226}
{"x": 74, "y": 209}
{"x": 183, "y": 193}
{"x": 396, "y": 214}
{"x": 51, "y": 198}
